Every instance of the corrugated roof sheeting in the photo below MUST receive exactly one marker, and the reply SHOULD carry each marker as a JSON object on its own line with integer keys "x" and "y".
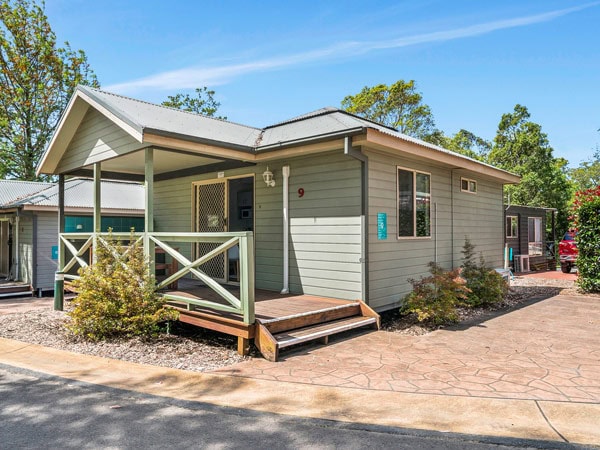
{"x": 325, "y": 123}
{"x": 79, "y": 193}
{"x": 13, "y": 190}
{"x": 144, "y": 115}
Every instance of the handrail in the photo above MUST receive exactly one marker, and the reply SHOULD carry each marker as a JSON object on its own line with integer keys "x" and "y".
{"x": 244, "y": 305}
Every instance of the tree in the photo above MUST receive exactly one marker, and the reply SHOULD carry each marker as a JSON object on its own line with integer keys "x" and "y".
{"x": 37, "y": 78}
{"x": 521, "y": 147}
{"x": 398, "y": 105}
{"x": 204, "y": 102}
{"x": 465, "y": 143}
{"x": 587, "y": 174}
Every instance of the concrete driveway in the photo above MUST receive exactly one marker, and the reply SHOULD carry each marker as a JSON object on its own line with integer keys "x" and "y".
{"x": 547, "y": 350}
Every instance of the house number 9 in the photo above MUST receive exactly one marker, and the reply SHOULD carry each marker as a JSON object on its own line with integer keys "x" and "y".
{"x": 300, "y": 192}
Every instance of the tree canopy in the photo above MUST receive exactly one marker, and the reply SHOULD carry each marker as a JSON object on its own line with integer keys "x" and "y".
{"x": 37, "y": 78}
{"x": 465, "y": 143}
{"x": 399, "y": 105}
{"x": 587, "y": 174}
{"x": 521, "y": 147}
{"x": 203, "y": 103}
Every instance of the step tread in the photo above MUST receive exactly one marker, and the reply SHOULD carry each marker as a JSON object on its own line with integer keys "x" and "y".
{"x": 308, "y": 313}
{"x": 312, "y": 332}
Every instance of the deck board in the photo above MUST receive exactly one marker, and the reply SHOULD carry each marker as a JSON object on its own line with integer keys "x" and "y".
{"x": 268, "y": 304}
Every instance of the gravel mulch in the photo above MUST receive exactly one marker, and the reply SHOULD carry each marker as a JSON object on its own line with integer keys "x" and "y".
{"x": 188, "y": 348}
{"x": 195, "y": 349}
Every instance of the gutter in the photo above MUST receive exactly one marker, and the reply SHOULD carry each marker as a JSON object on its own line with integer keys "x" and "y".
{"x": 310, "y": 139}
{"x": 198, "y": 140}
{"x": 364, "y": 229}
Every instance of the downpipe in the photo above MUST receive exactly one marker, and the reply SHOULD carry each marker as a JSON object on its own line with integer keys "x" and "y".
{"x": 286, "y": 230}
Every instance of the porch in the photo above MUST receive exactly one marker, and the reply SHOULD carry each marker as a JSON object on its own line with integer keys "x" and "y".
{"x": 275, "y": 321}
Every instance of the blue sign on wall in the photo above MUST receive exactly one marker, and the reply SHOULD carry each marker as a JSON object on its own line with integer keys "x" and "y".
{"x": 381, "y": 226}
{"x": 55, "y": 252}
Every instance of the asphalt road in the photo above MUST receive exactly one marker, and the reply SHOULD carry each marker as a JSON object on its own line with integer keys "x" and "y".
{"x": 39, "y": 411}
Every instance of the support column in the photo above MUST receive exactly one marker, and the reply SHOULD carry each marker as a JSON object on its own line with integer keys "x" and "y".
{"x": 59, "y": 277}
{"x": 97, "y": 207}
{"x": 149, "y": 207}
{"x": 61, "y": 221}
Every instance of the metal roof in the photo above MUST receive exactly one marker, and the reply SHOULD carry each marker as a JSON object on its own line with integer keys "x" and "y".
{"x": 145, "y": 118}
{"x": 122, "y": 195}
{"x": 13, "y": 190}
{"x": 157, "y": 118}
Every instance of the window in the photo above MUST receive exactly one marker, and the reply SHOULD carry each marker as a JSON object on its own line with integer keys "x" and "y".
{"x": 414, "y": 204}
{"x": 534, "y": 230}
{"x": 467, "y": 185}
{"x": 512, "y": 226}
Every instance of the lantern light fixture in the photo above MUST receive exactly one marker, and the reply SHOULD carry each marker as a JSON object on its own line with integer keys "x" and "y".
{"x": 268, "y": 178}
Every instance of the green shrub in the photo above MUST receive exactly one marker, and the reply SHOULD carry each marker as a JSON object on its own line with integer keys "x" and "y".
{"x": 587, "y": 222}
{"x": 116, "y": 295}
{"x": 486, "y": 286}
{"x": 435, "y": 298}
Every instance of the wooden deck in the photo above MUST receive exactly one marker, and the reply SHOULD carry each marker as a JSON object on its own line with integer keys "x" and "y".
{"x": 269, "y": 306}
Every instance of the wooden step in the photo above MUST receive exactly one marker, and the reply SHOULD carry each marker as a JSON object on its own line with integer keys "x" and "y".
{"x": 272, "y": 335}
{"x": 15, "y": 289}
{"x": 292, "y": 322}
{"x": 321, "y": 330}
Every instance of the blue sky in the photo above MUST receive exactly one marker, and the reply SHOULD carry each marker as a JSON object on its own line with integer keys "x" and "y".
{"x": 269, "y": 61}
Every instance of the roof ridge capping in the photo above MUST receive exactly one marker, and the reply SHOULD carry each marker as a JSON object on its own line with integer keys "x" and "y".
{"x": 87, "y": 89}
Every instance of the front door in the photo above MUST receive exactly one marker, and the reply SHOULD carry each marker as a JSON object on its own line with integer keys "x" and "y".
{"x": 223, "y": 205}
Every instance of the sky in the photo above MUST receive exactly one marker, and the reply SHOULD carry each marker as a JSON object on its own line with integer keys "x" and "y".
{"x": 270, "y": 61}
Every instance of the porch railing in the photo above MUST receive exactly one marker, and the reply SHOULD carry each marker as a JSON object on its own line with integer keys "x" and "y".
{"x": 74, "y": 251}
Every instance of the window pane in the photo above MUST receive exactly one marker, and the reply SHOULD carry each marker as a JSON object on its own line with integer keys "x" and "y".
{"x": 405, "y": 203}
{"x": 473, "y": 186}
{"x": 464, "y": 184}
{"x": 423, "y": 198}
{"x": 512, "y": 223}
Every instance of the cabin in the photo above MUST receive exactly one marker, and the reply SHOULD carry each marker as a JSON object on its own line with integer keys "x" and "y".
{"x": 529, "y": 236}
{"x": 29, "y": 226}
{"x": 286, "y": 233}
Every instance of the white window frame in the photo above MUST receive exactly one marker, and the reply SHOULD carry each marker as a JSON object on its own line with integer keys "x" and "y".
{"x": 534, "y": 248}
{"x": 509, "y": 234}
{"x": 469, "y": 181}
{"x": 414, "y": 200}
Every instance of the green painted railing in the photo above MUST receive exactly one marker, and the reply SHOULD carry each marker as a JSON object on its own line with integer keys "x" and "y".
{"x": 77, "y": 245}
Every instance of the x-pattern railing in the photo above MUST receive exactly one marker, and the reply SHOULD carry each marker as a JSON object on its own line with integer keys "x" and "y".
{"x": 244, "y": 305}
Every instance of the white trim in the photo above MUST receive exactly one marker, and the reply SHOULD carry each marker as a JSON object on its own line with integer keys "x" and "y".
{"x": 506, "y": 231}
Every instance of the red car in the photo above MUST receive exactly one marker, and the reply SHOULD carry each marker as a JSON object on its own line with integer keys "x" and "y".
{"x": 567, "y": 252}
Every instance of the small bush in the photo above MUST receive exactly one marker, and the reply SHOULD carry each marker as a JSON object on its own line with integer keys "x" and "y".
{"x": 116, "y": 295}
{"x": 435, "y": 298}
{"x": 486, "y": 286}
{"x": 587, "y": 222}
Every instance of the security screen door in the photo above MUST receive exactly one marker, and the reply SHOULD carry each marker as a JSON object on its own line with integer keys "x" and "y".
{"x": 210, "y": 199}
{"x": 223, "y": 205}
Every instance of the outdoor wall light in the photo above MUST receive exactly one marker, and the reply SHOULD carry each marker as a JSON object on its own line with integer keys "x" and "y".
{"x": 268, "y": 177}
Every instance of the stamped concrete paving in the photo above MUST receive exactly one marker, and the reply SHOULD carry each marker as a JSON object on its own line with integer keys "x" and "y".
{"x": 549, "y": 350}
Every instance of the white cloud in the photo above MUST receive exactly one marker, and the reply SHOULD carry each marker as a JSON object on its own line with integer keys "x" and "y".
{"x": 193, "y": 77}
